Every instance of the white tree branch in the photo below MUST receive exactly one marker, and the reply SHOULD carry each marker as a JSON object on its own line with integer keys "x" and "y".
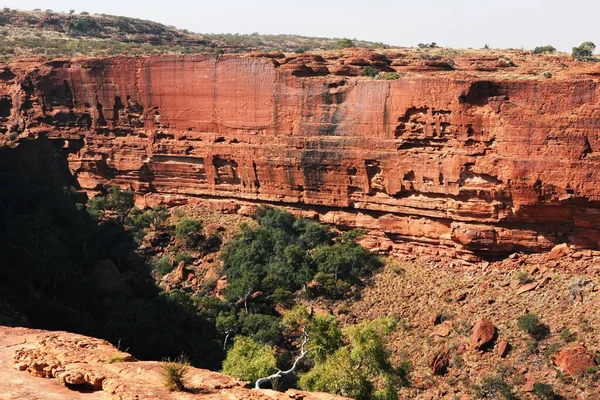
{"x": 280, "y": 373}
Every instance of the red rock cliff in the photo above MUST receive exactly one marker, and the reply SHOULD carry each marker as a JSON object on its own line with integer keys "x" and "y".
{"x": 476, "y": 160}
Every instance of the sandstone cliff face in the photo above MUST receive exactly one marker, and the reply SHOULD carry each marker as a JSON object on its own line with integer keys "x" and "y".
{"x": 473, "y": 162}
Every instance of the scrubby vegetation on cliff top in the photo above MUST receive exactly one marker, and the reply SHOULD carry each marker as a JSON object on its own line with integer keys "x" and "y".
{"x": 57, "y": 34}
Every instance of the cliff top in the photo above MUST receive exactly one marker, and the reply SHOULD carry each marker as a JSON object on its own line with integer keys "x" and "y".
{"x": 47, "y": 35}
{"x": 368, "y": 64}
{"x": 54, "y": 34}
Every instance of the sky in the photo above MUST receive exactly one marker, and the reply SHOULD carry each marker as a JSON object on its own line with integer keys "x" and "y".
{"x": 449, "y": 23}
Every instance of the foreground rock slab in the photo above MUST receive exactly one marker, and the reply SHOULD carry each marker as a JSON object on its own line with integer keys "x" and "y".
{"x": 80, "y": 367}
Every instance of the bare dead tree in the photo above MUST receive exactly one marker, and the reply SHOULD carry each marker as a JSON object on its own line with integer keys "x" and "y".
{"x": 246, "y": 300}
{"x": 280, "y": 373}
{"x": 227, "y": 334}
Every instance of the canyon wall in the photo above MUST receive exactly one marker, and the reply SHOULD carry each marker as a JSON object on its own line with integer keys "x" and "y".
{"x": 453, "y": 160}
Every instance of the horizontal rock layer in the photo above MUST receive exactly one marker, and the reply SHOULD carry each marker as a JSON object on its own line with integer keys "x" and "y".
{"x": 472, "y": 163}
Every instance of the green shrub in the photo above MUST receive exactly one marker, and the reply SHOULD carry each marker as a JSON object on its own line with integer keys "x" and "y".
{"x": 174, "y": 373}
{"x": 543, "y": 391}
{"x": 163, "y": 265}
{"x": 189, "y": 231}
{"x": 390, "y": 76}
{"x": 182, "y": 256}
{"x": 524, "y": 277}
{"x": 531, "y": 324}
{"x": 544, "y": 49}
{"x": 283, "y": 296}
{"x": 84, "y": 25}
{"x": 493, "y": 387}
{"x": 370, "y": 71}
{"x": 343, "y": 43}
{"x": 584, "y": 52}
{"x": 567, "y": 336}
{"x": 550, "y": 350}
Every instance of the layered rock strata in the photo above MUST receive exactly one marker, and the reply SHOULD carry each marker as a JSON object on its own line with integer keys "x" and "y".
{"x": 471, "y": 156}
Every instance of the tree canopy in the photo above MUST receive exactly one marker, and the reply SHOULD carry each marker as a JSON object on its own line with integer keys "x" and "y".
{"x": 249, "y": 360}
{"x": 361, "y": 369}
{"x": 584, "y": 52}
{"x": 285, "y": 253}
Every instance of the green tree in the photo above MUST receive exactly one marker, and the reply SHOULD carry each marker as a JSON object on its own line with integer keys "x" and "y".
{"x": 338, "y": 375}
{"x": 261, "y": 328}
{"x": 584, "y": 52}
{"x": 343, "y": 263}
{"x": 140, "y": 220}
{"x": 343, "y": 43}
{"x": 361, "y": 370}
{"x": 120, "y": 202}
{"x": 544, "y": 49}
{"x": 249, "y": 360}
{"x": 323, "y": 330}
{"x": 370, "y": 71}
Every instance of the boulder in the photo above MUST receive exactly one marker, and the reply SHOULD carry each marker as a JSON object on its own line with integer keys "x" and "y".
{"x": 443, "y": 329}
{"x": 559, "y": 251}
{"x": 527, "y": 288}
{"x": 503, "y": 348}
{"x": 528, "y": 385}
{"x": 574, "y": 360}
{"x": 483, "y": 333}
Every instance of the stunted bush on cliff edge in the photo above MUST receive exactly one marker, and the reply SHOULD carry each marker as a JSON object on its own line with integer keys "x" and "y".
{"x": 544, "y": 49}
{"x": 344, "y": 43}
{"x": 584, "y": 52}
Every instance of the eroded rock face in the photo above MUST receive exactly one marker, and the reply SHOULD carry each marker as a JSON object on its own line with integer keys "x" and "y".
{"x": 574, "y": 360}
{"x": 471, "y": 161}
{"x": 76, "y": 364}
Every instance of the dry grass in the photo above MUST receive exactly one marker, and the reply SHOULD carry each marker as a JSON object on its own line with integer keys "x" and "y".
{"x": 174, "y": 373}
{"x": 117, "y": 358}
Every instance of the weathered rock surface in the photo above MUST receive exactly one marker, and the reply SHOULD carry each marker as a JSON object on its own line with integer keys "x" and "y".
{"x": 88, "y": 368}
{"x": 483, "y": 333}
{"x": 503, "y": 348}
{"x": 574, "y": 360}
{"x": 466, "y": 162}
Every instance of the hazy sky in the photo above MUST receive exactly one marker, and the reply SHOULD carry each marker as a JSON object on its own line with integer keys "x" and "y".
{"x": 452, "y": 23}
